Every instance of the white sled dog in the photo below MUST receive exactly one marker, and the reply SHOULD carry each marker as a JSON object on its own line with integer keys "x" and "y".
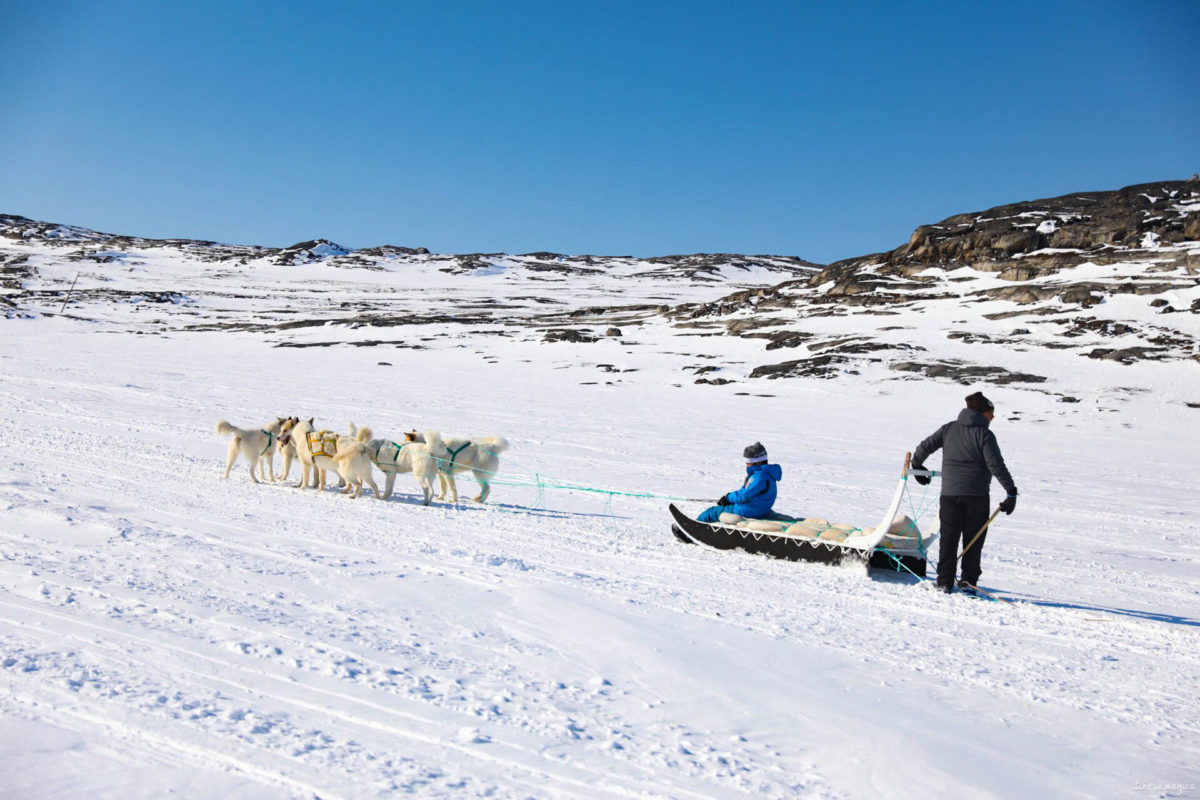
{"x": 256, "y": 444}
{"x": 317, "y": 462}
{"x": 392, "y": 459}
{"x": 353, "y": 462}
{"x": 481, "y": 456}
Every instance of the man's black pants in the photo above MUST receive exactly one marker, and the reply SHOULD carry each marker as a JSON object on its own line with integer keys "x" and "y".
{"x": 962, "y": 517}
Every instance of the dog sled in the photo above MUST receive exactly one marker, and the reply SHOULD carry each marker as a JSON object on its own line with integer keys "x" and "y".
{"x": 895, "y": 543}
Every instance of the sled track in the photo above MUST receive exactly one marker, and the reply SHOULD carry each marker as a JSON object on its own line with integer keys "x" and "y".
{"x": 229, "y": 688}
{"x": 1063, "y": 639}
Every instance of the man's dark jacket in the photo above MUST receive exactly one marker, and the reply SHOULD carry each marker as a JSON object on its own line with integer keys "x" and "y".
{"x": 970, "y": 456}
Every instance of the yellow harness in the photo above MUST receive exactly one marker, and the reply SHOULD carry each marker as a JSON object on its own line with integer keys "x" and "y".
{"x": 322, "y": 443}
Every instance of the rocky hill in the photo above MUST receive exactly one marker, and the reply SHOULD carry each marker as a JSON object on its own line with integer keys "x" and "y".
{"x": 48, "y": 268}
{"x": 1098, "y": 274}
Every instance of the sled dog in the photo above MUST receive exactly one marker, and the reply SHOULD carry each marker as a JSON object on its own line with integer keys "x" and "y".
{"x": 315, "y": 453}
{"x": 287, "y": 448}
{"x": 392, "y": 459}
{"x": 288, "y": 451}
{"x": 256, "y": 444}
{"x": 353, "y": 463}
{"x": 481, "y": 456}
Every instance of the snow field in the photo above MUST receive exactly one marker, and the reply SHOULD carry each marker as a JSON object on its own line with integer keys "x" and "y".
{"x": 164, "y": 630}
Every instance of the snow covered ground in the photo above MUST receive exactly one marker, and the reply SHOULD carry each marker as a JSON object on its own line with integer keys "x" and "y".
{"x": 164, "y": 632}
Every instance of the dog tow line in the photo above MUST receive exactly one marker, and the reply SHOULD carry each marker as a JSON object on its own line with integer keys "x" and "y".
{"x": 270, "y": 441}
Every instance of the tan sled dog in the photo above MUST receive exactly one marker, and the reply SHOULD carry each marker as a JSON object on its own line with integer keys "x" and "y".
{"x": 256, "y": 444}
{"x": 481, "y": 456}
{"x": 392, "y": 459}
{"x": 288, "y": 451}
{"x": 353, "y": 462}
{"x": 315, "y": 453}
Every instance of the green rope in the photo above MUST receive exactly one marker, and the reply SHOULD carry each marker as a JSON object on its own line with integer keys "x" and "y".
{"x": 916, "y": 514}
{"x": 536, "y": 481}
{"x": 901, "y": 564}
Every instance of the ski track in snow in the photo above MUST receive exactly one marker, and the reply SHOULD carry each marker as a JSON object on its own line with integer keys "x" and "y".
{"x": 164, "y": 629}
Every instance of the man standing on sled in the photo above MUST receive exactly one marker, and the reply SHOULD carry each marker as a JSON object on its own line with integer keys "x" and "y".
{"x": 970, "y": 457}
{"x": 757, "y": 495}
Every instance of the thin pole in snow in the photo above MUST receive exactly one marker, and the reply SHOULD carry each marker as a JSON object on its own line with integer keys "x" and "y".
{"x": 69, "y": 292}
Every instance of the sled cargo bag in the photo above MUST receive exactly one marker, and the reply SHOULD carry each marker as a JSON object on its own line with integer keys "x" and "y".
{"x": 322, "y": 443}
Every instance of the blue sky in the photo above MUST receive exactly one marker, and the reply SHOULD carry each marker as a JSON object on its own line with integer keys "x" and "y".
{"x": 818, "y": 129}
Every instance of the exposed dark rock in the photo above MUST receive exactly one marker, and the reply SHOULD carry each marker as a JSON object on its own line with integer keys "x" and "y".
{"x": 857, "y": 345}
{"x": 966, "y": 373}
{"x": 1081, "y": 295}
{"x": 1084, "y": 221}
{"x": 1128, "y": 355}
{"x": 1068, "y": 399}
{"x": 613, "y": 332}
{"x": 570, "y": 335}
{"x": 392, "y": 320}
{"x": 111, "y": 296}
{"x": 778, "y": 339}
{"x": 14, "y": 271}
{"x": 1023, "y": 312}
{"x": 630, "y": 314}
{"x": 397, "y": 343}
{"x": 390, "y": 250}
{"x": 1105, "y": 327}
{"x": 968, "y": 338}
{"x": 713, "y": 381}
{"x": 709, "y": 266}
{"x": 823, "y": 366}
{"x": 739, "y": 327}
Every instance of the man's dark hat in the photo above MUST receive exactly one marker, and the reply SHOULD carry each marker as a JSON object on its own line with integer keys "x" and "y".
{"x": 977, "y": 402}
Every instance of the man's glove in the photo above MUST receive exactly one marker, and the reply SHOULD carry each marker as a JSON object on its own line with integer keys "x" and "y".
{"x": 924, "y": 480}
{"x": 724, "y": 501}
{"x": 1008, "y": 504}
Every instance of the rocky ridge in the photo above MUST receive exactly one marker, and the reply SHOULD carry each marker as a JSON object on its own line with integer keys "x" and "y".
{"x": 1085, "y": 271}
{"x": 202, "y": 285}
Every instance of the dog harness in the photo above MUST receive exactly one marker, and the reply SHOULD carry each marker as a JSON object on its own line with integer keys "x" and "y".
{"x": 453, "y": 455}
{"x": 270, "y": 441}
{"x": 395, "y": 457}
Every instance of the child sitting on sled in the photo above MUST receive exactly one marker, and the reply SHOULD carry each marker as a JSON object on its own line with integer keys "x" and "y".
{"x": 757, "y": 495}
